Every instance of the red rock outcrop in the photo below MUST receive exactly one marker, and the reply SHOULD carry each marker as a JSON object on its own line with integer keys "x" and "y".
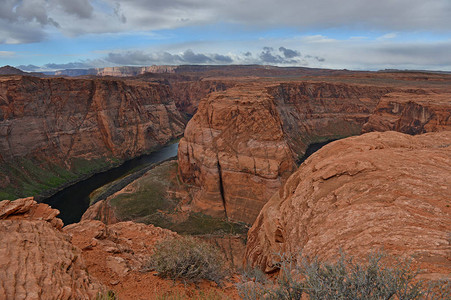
{"x": 187, "y": 94}
{"x": 243, "y": 143}
{"x": 235, "y": 151}
{"x": 116, "y": 254}
{"x": 413, "y": 112}
{"x": 314, "y": 112}
{"x": 113, "y": 251}
{"x": 37, "y": 260}
{"x": 379, "y": 190}
{"x": 61, "y": 120}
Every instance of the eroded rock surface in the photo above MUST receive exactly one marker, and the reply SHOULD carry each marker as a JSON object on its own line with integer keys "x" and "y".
{"x": 242, "y": 143}
{"x": 416, "y": 112}
{"x": 64, "y": 127}
{"x": 379, "y": 190}
{"x": 235, "y": 151}
{"x": 37, "y": 260}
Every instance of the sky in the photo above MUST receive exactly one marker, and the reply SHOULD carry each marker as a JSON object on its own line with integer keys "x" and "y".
{"x": 45, "y": 35}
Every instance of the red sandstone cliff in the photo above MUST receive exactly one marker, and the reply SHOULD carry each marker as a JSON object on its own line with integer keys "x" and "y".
{"x": 235, "y": 152}
{"x": 319, "y": 111}
{"x": 242, "y": 143}
{"x": 60, "y": 120}
{"x": 379, "y": 190}
{"x": 413, "y": 112}
{"x": 261, "y": 126}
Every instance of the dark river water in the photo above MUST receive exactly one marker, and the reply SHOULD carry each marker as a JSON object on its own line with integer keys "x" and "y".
{"x": 73, "y": 201}
{"x": 312, "y": 148}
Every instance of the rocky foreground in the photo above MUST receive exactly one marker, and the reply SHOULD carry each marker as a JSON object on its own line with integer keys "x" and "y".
{"x": 40, "y": 260}
{"x": 379, "y": 191}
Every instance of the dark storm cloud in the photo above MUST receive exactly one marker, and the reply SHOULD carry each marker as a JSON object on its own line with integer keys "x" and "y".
{"x": 222, "y": 58}
{"x": 129, "y": 58}
{"x": 288, "y": 53}
{"x": 140, "y": 58}
{"x": 268, "y": 55}
{"x": 190, "y": 57}
{"x": 81, "y": 8}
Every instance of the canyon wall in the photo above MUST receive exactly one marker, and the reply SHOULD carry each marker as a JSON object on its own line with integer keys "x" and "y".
{"x": 235, "y": 152}
{"x": 60, "y": 124}
{"x": 314, "y": 112}
{"x": 257, "y": 126}
{"x": 242, "y": 144}
{"x": 412, "y": 112}
{"x": 387, "y": 191}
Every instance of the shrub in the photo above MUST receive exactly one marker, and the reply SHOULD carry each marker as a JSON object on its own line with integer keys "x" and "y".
{"x": 345, "y": 279}
{"x": 106, "y": 295}
{"x": 189, "y": 259}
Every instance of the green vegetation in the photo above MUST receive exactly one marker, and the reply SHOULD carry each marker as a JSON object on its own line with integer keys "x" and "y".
{"x": 25, "y": 177}
{"x": 380, "y": 277}
{"x": 151, "y": 203}
{"x": 198, "y": 224}
{"x": 106, "y": 295}
{"x": 188, "y": 259}
{"x": 149, "y": 195}
{"x": 212, "y": 295}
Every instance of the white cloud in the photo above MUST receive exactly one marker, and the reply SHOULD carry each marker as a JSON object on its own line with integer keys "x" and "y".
{"x": 388, "y": 36}
{"x": 77, "y": 17}
{"x": 7, "y": 53}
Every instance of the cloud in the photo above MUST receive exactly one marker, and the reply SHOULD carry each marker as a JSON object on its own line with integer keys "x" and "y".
{"x": 269, "y": 56}
{"x": 355, "y": 54}
{"x": 7, "y": 53}
{"x": 78, "y": 17}
{"x": 140, "y": 58}
{"x": 80, "y": 8}
{"x": 288, "y": 53}
{"x": 190, "y": 57}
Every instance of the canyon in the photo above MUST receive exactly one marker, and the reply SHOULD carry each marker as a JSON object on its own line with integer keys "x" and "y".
{"x": 58, "y": 130}
{"x": 243, "y": 143}
{"x": 381, "y": 182}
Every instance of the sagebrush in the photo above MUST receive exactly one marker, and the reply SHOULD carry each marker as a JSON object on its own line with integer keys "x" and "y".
{"x": 376, "y": 278}
{"x": 189, "y": 259}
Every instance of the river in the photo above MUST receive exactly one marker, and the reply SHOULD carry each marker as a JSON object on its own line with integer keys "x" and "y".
{"x": 74, "y": 200}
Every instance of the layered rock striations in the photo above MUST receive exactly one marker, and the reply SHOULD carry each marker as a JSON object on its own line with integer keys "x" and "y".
{"x": 314, "y": 112}
{"x": 235, "y": 152}
{"x": 243, "y": 143}
{"x": 412, "y": 112}
{"x": 387, "y": 191}
{"x": 37, "y": 260}
{"x": 68, "y": 121}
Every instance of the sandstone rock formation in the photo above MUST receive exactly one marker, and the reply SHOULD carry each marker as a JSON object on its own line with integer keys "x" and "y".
{"x": 379, "y": 190}
{"x": 416, "y": 112}
{"x": 37, "y": 260}
{"x": 113, "y": 251}
{"x": 231, "y": 128}
{"x": 314, "y": 112}
{"x": 116, "y": 254}
{"x": 63, "y": 123}
{"x": 234, "y": 150}
{"x": 243, "y": 143}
